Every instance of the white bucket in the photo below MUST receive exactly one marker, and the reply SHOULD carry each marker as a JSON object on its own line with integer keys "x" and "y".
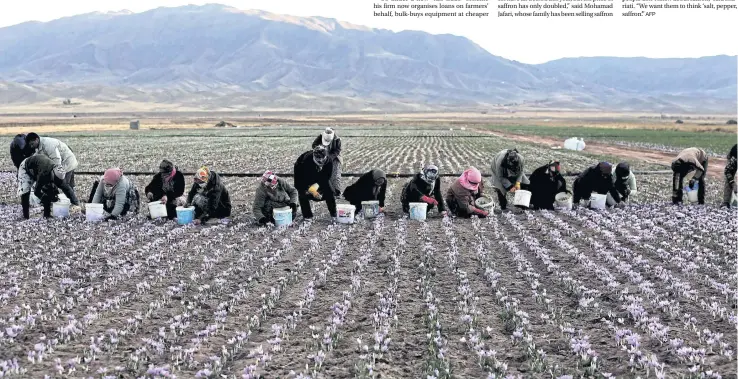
{"x": 485, "y": 203}
{"x": 345, "y": 213}
{"x": 563, "y": 201}
{"x": 282, "y": 216}
{"x": 522, "y": 198}
{"x": 692, "y": 196}
{"x": 598, "y": 201}
{"x": 157, "y": 209}
{"x": 60, "y": 209}
{"x": 94, "y": 212}
{"x": 418, "y": 211}
{"x": 371, "y": 208}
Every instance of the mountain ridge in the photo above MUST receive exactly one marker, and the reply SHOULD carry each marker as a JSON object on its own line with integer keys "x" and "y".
{"x": 166, "y": 55}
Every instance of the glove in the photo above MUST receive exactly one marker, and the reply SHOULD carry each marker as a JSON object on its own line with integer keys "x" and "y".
{"x": 513, "y": 189}
{"x": 429, "y": 200}
{"x": 164, "y": 199}
{"x": 197, "y": 221}
{"x": 517, "y": 186}
{"x": 691, "y": 183}
{"x": 263, "y": 221}
{"x": 381, "y": 209}
{"x": 480, "y": 212}
{"x": 620, "y": 205}
{"x": 111, "y": 217}
{"x": 150, "y": 196}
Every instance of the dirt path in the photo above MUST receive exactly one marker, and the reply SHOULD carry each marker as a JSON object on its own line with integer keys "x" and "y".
{"x": 715, "y": 167}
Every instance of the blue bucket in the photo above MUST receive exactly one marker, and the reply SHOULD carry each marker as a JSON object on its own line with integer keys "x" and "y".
{"x": 282, "y": 216}
{"x": 185, "y": 215}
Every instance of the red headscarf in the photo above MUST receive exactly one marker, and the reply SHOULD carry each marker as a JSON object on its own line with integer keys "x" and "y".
{"x": 112, "y": 176}
{"x": 470, "y": 179}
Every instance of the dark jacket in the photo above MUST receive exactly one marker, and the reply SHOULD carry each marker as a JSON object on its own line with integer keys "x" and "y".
{"x": 219, "y": 202}
{"x": 544, "y": 187}
{"x": 334, "y": 149}
{"x": 732, "y": 165}
{"x": 155, "y": 187}
{"x": 592, "y": 180}
{"x": 461, "y": 200}
{"x": 284, "y": 194}
{"x": 417, "y": 188}
{"x": 363, "y": 190}
{"x": 308, "y": 173}
{"x": 40, "y": 169}
{"x": 18, "y": 150}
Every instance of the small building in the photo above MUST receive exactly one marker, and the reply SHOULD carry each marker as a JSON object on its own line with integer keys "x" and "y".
{"x": 134, "y": 125}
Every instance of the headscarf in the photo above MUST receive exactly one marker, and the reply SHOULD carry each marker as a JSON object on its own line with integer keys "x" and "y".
{"x": 622, "y": 170}
{"x": 379, "y": 179}
{"x": 327, "y": 136}
{"x": 512, "y": 160}
{"x": 320, "y": 155}
{"x": 554, "y": 167}
{"x": 112, "y": 176}
{"x": 167, "y": 172}
{"x": 202, "y": 175}
{"x": 429, "y": 174}
{"x": 269, "y": 180}
{"x": 605, "y": 168}
{"x": 470, "y": 179}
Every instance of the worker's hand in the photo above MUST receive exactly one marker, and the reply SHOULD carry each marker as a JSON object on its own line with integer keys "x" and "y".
{"x": 263, "y": 221}
{"x": 197, "y": 221}
{"x": 381, "y": 209}
{"x": 480, "y": 212}
{"x": 429, "y": 200}
{"x": 513, "y": 189}
{"x": 620, "y": 205}
{"x": 444, "y": 213}
{"x": 111, "y": 217}
{"x": 164, "y": 199}
{"x": 691, "y": 183}
{"x": 150, "y": 196}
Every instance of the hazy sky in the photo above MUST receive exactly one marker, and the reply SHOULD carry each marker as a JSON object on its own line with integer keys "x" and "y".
{"x": 671, "y": 33}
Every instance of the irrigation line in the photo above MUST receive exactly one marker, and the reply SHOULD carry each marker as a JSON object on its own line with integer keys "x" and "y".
{"x": 345, "y": 174}
{"x": 270, "y": 136}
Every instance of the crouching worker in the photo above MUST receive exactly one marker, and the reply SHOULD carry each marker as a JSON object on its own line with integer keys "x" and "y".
{"x": 461, "y": 196}
{"x": 507, "y": 174}
{"x": 209, "y": 196}
{"x": 691, "y": 163}
{"x": 273, "y": 193}
{"x": 166, "y": 187}
{"x": 625, "y": 183}
{"x": 117, "y": 194}
{"x": 424, "y": 187}
{"x": 545, "y": 183}
{"x": 313, "y": 171}
{"x": 730, "y": 169}
{"x": 595, "y": 179}
{"x": 370, "y": 186}
{"x": 48, "y": 179}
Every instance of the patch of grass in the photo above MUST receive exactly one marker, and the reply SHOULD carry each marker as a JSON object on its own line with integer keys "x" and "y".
{"x": 714, "y": 142}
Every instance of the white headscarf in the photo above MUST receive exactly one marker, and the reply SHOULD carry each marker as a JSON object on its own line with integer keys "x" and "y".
{"x": 328, "y": 135}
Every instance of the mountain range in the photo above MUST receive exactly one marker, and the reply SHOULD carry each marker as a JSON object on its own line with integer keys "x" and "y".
{"x": 215, "y": 57}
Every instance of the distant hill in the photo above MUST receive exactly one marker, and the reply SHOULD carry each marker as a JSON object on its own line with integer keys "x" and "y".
{"x": 218, "y": 57}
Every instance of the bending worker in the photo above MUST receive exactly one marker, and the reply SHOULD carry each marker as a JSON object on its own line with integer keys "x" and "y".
{"x": 273, "y": 193}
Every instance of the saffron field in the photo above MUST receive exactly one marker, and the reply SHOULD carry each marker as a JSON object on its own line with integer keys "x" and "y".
{"x": 645, "y": 291}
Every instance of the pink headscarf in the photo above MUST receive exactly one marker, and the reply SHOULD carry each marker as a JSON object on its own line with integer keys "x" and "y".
{"x": 112, "y": 176}
{"x": 471, "y": 175}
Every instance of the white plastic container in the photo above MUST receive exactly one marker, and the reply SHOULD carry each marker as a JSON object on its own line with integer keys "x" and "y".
{"x": 692, "y": 196}
{"x": 345, "y": 213}
{"x": 371, "y": 208}
{"x": 598, "y": 201}
{"x": 157, "y": 209}
{"x": 576, "y": 144}
{"x": 282, "y": 216}
{"x": 563, "y": 201}
{"x": 60, "y": 209}
{"x": 485, "y": 203}
{"x": 418, "y": 211}
{"x": 185, "y": 215}
{"x": 94, "y": 212}
{"x": 522, "y": 198}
